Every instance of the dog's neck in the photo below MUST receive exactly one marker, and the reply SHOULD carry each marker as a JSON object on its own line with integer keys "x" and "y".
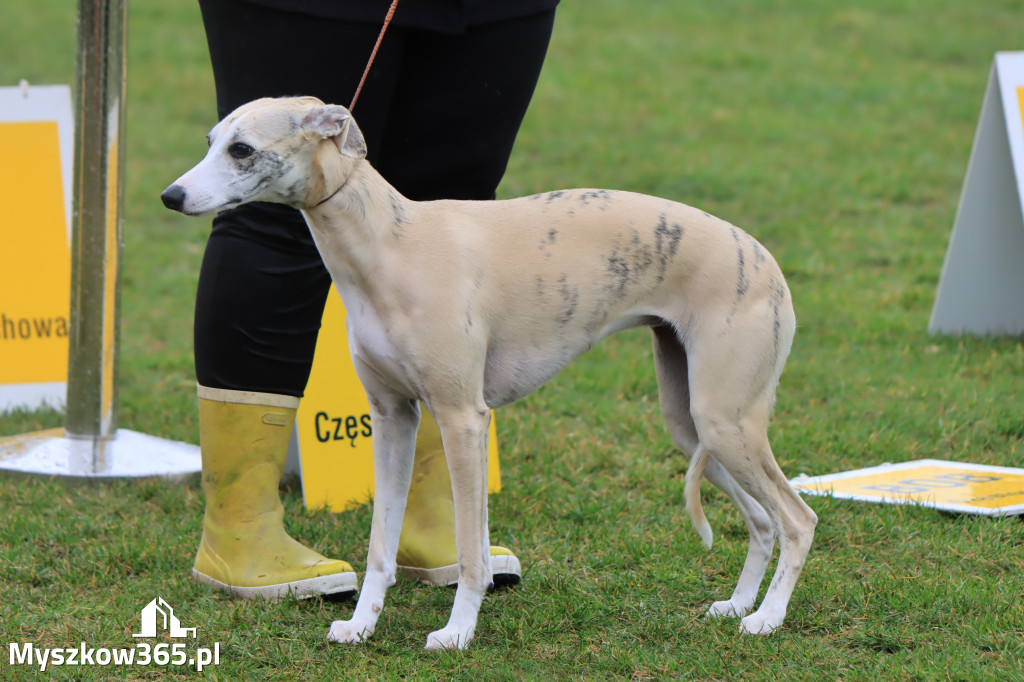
{"x": 363, "y": 196}
{"x": 329, "y": 196}
{"x": 358, "y": 218}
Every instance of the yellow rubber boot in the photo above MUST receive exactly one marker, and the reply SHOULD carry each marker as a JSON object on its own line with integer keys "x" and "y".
{"x": 426, "y": 548}
{"x": 245, "y": 549}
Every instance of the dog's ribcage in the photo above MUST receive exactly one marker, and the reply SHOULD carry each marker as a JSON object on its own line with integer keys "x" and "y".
{"x": 583, "y": 264}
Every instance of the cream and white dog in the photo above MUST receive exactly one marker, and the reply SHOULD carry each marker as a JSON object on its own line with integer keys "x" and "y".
{"x": 471, "y": 305}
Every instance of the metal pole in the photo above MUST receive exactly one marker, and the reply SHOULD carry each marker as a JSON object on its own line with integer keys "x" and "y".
{"x": 91, "y": 446}
{"x": 96, "y": 219}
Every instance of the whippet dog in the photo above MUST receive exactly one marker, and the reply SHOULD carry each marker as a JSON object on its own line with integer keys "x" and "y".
{"x": 470, "y": 305}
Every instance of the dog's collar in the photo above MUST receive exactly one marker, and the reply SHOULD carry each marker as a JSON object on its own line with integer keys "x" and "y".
{"x": 328, "y": 197}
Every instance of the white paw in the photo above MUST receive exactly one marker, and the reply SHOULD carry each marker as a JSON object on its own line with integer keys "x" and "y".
{"x": 349, "y": 632}
{"x": 726, "y": 609}
{"x": 449, "y": 638}
{"x": 757, "y": 624}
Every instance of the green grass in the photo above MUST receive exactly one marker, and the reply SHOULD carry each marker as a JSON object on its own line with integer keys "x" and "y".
{"x": 838, "y": 134}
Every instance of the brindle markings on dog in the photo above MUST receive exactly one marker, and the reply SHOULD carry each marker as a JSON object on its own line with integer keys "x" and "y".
{"x": 542, "y": 290}
{"x": 626, "y": 264}
{"x": 666, "y": 244}
{"x": 584, "y": 197}
{"x": 742, "y": 282}
{"x": 570, "y": 297}
{"x": 777, "y": 291}
{"x": 598, "y": 195}
{"x": 265, "y": 165}
{"x": 549, "y": 239}
{"x": 759, "y": 257}
{"x": 398, "y": 211}
{"x": 629, "y": 262}
{"x": 274, "y": 162}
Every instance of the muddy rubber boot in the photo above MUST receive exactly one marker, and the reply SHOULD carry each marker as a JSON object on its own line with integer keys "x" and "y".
{"x": 245, "y": 549}
{"x": 426, "y": 548}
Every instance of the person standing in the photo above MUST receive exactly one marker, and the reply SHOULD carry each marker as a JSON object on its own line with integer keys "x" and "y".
{"x": 440, "y": 111}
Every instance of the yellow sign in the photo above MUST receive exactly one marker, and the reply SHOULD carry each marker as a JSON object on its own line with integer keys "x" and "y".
{"x": 334, "y": 426}
{"x": 35, "y": 264}
{"x": 950, "y": 486}
{"x": 35, "y": 260}
{"x": 1020, "y": 106}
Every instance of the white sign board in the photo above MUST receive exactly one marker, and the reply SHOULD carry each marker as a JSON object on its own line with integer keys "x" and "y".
{"x": 950, "y": 486}
{"x": 982, "y": 286}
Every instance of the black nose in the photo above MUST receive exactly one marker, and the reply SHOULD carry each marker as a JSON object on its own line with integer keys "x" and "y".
{"x": 173, "y": 197}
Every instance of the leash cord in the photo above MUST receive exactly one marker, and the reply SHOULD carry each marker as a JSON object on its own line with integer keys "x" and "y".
{"x": 373, "y": 55}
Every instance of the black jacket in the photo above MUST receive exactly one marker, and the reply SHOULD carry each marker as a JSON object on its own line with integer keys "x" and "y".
{"x": 445, "y": 16}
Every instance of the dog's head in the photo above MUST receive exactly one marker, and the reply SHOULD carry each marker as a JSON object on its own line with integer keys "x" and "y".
{"x": 295, "y": 151}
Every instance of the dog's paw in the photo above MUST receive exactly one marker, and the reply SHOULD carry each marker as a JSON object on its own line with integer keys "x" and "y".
{"x": 449, "y": 638}
{"x": 348, "y": 632}
{"x": 726, "y": 609}
{"x": 760, "y": 624}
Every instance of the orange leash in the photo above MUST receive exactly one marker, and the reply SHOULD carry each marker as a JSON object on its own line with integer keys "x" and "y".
{"x": 373, "y": 55}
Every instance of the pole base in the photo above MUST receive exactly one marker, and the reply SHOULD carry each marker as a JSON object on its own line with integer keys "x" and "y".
{"x": 127, "y": 455}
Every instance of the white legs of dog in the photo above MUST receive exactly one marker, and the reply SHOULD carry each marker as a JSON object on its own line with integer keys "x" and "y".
{"x": 464, "y": 435}
{"x": 727, "y": 424}
{"x": 394, "y": 444}
{"x": 712, "y": 416}
{"x": 726, "y": 416}
{"x": 762, "y": 540}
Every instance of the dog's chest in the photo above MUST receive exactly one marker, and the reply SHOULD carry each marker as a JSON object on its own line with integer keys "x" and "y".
{"x": 513, "y": 372}
{"x": 371, "y": 342}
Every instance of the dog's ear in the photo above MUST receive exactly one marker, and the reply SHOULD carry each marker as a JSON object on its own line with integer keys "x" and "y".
{"x": 336, "y": 123}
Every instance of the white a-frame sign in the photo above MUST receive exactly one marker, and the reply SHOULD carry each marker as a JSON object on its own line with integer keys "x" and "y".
{"x": 982, "y": 285}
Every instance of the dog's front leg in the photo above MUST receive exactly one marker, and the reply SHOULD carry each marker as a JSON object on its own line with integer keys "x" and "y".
{"x": 464, "y": 433}
{"x": 394, "y": 441}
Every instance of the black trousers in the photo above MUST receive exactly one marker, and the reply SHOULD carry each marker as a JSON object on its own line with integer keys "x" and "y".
{"x": 439, "y": 113}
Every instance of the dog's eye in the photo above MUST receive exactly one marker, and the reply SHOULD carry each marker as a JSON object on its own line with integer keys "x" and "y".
{"x": 240, "y": 150}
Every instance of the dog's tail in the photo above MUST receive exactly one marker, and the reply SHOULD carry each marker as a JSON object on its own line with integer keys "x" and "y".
{"x": 691, "y": 493}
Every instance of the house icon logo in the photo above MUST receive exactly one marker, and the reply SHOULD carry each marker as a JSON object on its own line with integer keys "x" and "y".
{"x": 159, "y": 612}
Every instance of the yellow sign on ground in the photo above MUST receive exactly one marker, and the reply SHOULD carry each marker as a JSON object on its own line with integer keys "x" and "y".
{"x": 334, "y": 427}
{"x": 35, "y": 262}
{"x": 950, "y": 486}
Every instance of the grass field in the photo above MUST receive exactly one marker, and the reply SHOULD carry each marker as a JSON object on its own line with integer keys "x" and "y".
{"x": 838, "y": 134}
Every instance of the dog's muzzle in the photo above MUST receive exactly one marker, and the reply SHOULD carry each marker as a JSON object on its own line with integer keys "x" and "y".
{"x": 173, "y": 197}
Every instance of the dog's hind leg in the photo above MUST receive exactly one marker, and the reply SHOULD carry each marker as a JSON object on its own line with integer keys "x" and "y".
{"x": 759, "y": 551}
{"x": 674, "y": 396}
{"x": 792, "y": 520}
{"x": 395, "y": 419}
{"x": 732, "y": 382}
